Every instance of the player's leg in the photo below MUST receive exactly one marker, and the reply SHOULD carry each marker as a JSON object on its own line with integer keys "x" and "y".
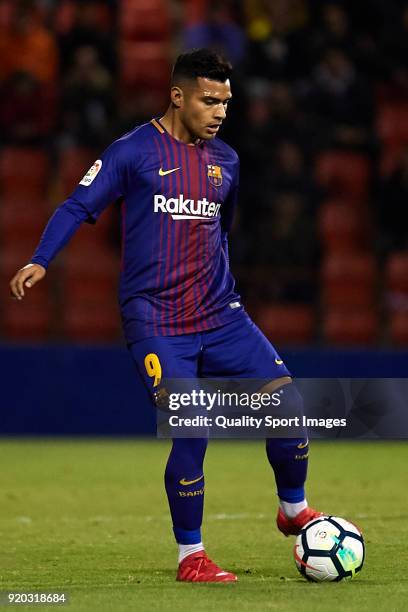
{"x": 177, "y": 357}
{"x": 184, "y": 481}
{"x": 288, "y": 458}
{"x": 186, "y": 497}
{"x": 240, "y": 350}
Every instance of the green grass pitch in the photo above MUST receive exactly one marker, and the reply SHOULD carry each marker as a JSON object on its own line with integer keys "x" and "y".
{"x": 90, "y": 518}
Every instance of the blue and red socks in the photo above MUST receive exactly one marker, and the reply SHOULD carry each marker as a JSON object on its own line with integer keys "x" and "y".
{"x": 288, "y": 458}
{"x": 184, "y": 481}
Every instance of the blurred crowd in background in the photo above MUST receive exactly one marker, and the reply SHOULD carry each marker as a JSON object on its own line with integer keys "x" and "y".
{"x": 319, "y": 118}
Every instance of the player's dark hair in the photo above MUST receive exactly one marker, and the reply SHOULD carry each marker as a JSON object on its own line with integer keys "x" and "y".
{"x": 201, "y": 63}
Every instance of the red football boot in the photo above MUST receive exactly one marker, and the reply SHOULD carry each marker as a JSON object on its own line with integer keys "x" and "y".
{"x": 197, "y": 567}
{"x": 294, "y": 525}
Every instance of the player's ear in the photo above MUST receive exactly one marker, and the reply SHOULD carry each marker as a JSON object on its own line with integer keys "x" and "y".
{"x": 176, "y": 96}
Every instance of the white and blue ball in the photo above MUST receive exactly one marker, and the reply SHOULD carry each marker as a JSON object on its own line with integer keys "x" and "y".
{"x": 329, "y": 549}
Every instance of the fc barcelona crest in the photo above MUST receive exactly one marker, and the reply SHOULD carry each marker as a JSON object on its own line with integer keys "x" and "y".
{"x": 214, "y": 174}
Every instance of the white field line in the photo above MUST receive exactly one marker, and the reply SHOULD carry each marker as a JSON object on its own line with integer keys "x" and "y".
{"x": 149, "y": 518}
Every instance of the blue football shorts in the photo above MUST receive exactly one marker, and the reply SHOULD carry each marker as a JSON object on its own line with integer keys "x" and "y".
{"x": 237, "y": 350}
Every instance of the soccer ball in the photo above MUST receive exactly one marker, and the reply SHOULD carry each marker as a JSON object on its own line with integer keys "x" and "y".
{"x": 329, "y": 549}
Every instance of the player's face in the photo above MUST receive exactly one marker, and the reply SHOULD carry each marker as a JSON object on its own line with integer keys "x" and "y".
{"x": 204, "y": 106}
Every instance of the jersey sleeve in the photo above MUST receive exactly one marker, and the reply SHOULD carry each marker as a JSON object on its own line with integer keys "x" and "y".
{"x": 105, "y": 182}
{"x": 60, "y": 228}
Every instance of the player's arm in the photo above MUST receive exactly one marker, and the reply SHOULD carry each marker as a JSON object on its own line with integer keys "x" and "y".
{"x": 101, "y": 185}
{"x": 227, "y": 211}
{"x": 60, "y": 228}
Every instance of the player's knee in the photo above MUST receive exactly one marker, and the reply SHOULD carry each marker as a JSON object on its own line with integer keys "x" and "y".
{"x": 186, "y": 454}
{"x": 290, "y": 401}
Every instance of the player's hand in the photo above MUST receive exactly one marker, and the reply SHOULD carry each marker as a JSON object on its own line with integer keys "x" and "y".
{"x": 26, "y": 277}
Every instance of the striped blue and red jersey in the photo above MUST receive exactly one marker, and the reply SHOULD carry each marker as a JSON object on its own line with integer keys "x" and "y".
{"x": 177, "y": 204}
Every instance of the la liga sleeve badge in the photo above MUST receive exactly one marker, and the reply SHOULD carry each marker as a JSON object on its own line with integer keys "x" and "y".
{"x": 91, "y": 174}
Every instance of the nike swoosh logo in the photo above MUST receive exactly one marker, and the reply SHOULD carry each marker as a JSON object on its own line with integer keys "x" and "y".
{"x": 303, "y": 445}
{"x": 185, "y": 482}
{"x": 221, "y": 574}
{"x": 278, "y": 361}
{"x": 164, "y": 172}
